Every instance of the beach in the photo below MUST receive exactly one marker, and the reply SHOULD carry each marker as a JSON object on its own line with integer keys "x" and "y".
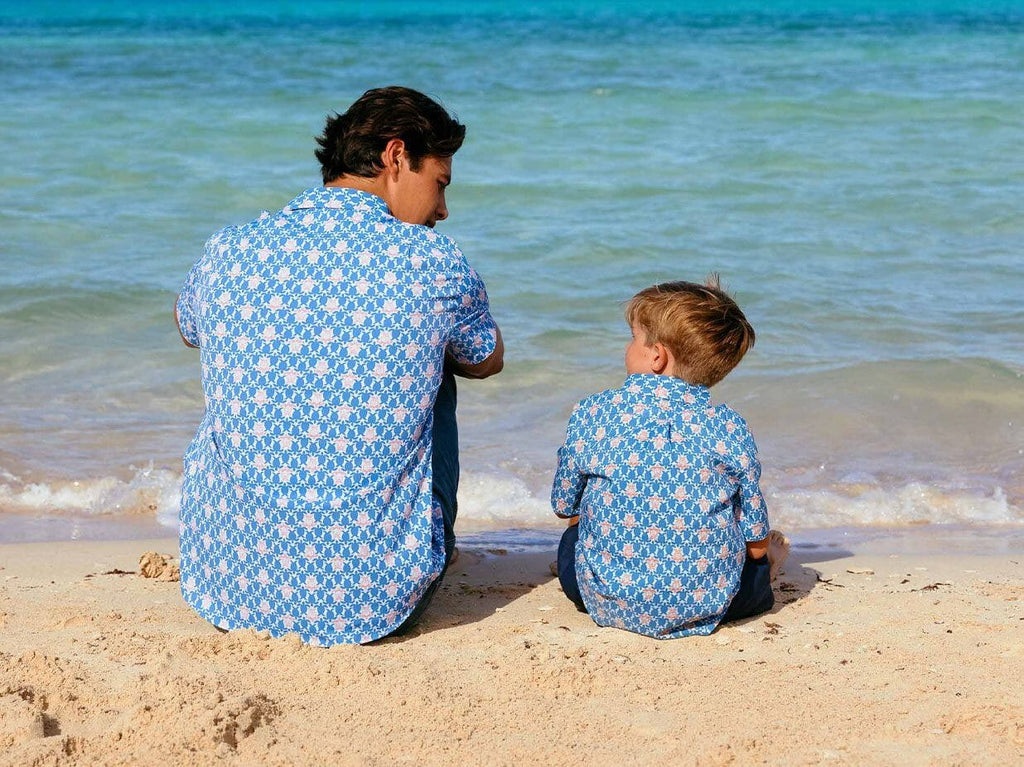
{"x": 852, "y": 171}
{"x": 869, "y": 657}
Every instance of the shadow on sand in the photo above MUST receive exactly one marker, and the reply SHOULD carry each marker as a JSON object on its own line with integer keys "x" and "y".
{"x": 480, "y": 583}
{"x": 485, "y": 581}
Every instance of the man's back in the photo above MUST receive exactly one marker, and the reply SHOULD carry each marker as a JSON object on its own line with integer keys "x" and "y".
{"x": 323, "y": 332}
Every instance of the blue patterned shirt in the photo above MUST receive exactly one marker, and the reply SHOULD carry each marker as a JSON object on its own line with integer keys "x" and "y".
{"x": 666, "y": 487}
{"x": 306, "y": 501}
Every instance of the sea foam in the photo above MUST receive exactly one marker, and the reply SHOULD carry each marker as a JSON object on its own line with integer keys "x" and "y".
{"x": 492, "y": 501}
{"x": 148, "y": 492}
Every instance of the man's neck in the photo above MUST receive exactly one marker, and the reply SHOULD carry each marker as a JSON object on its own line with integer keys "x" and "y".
{"x": 372, "y": 185}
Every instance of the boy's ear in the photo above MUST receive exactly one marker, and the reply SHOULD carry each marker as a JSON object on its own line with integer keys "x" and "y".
{"x": 661, "y": 358}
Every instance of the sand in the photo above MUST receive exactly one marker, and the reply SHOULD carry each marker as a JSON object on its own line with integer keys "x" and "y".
{"x": 868, "y": 658}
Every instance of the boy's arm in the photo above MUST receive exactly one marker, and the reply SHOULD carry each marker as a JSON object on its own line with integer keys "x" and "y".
{"x": 569, "y": 482}
{"x": 185, "y": 316}
{"x": 753, "y": 512}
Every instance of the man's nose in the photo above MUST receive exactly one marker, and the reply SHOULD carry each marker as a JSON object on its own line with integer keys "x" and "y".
{"x": 442, "y": 211}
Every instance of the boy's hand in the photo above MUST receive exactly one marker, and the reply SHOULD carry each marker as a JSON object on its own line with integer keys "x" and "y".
{"x": 757, "y": 549}
{"x": 775, "y": 547}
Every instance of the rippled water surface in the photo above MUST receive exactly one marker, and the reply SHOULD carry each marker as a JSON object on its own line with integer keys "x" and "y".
{"x": 852, "y": 169}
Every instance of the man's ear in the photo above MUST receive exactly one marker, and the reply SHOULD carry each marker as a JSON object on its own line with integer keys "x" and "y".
{"x": 393, "y": 156}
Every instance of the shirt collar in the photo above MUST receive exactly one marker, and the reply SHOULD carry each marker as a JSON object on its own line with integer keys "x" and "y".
{"x": 340, "y": 197}
{"x": 668, "y": 387}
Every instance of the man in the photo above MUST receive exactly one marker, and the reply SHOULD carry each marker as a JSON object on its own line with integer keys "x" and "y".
{"x": 319, "y": 491}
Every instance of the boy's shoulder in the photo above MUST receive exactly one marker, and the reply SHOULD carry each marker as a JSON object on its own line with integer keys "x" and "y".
{"x": 725, "y": 415}
{"x": 601, "y": 401}
{"x": 594, "y": 411}
{"x": 732, "y": 425}
{"x": 611, "y": 403}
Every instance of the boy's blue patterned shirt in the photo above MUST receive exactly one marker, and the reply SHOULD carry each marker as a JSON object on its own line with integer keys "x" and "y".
{"x": 306, "y": 499}
{"x": 666, "y": 487}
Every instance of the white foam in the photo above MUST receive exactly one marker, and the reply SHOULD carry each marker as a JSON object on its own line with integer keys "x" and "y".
{"x": 502, "y": 500}
{"x": 497, "y": 501}
{"x": 914, "y": 503}
{"x": 150, "y": 491}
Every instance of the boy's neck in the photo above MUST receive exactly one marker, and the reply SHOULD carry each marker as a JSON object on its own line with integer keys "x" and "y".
{"x": 669, "y": 374}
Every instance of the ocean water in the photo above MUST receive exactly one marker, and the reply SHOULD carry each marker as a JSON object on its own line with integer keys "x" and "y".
{"x": 852, "y": 169}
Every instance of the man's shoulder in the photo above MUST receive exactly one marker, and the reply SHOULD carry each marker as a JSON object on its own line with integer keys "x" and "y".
{"x": 234, "y": 232}
{"x": 434, "y": 242}
{"x": 226, "y": 234}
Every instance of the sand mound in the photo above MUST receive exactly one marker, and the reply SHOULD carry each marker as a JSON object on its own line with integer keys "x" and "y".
{"x": 162, "y": 567}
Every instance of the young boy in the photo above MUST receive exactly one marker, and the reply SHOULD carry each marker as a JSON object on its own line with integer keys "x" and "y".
{"x": 668, "y": 533}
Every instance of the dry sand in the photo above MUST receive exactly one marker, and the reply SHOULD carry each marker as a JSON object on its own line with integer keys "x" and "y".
{"x": 867, "y": 659}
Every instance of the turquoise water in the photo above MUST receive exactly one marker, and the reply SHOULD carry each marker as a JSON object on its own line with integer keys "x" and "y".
{"x": 852, "y": 169}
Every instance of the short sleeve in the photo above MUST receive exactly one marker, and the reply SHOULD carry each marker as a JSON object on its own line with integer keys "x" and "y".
{"x": 475, "y": 335}
{"x": 186, "y": 307}
{"x": 189, "y": 304}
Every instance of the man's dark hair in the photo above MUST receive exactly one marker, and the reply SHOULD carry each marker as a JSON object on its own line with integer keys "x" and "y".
{"x": 352, "y": 143}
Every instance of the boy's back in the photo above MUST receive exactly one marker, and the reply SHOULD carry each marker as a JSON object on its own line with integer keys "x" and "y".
{"x": 668, "y": 532}
{"x": 667, "y": 491}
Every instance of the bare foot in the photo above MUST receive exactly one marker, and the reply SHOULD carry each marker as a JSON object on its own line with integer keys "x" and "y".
{"x": 778, "y": 550}
{"x": 553, "y": 567}
{"x": 455, "y": 556}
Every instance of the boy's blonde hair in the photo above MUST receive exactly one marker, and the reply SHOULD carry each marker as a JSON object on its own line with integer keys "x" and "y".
{"x": 700, "y": 324}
